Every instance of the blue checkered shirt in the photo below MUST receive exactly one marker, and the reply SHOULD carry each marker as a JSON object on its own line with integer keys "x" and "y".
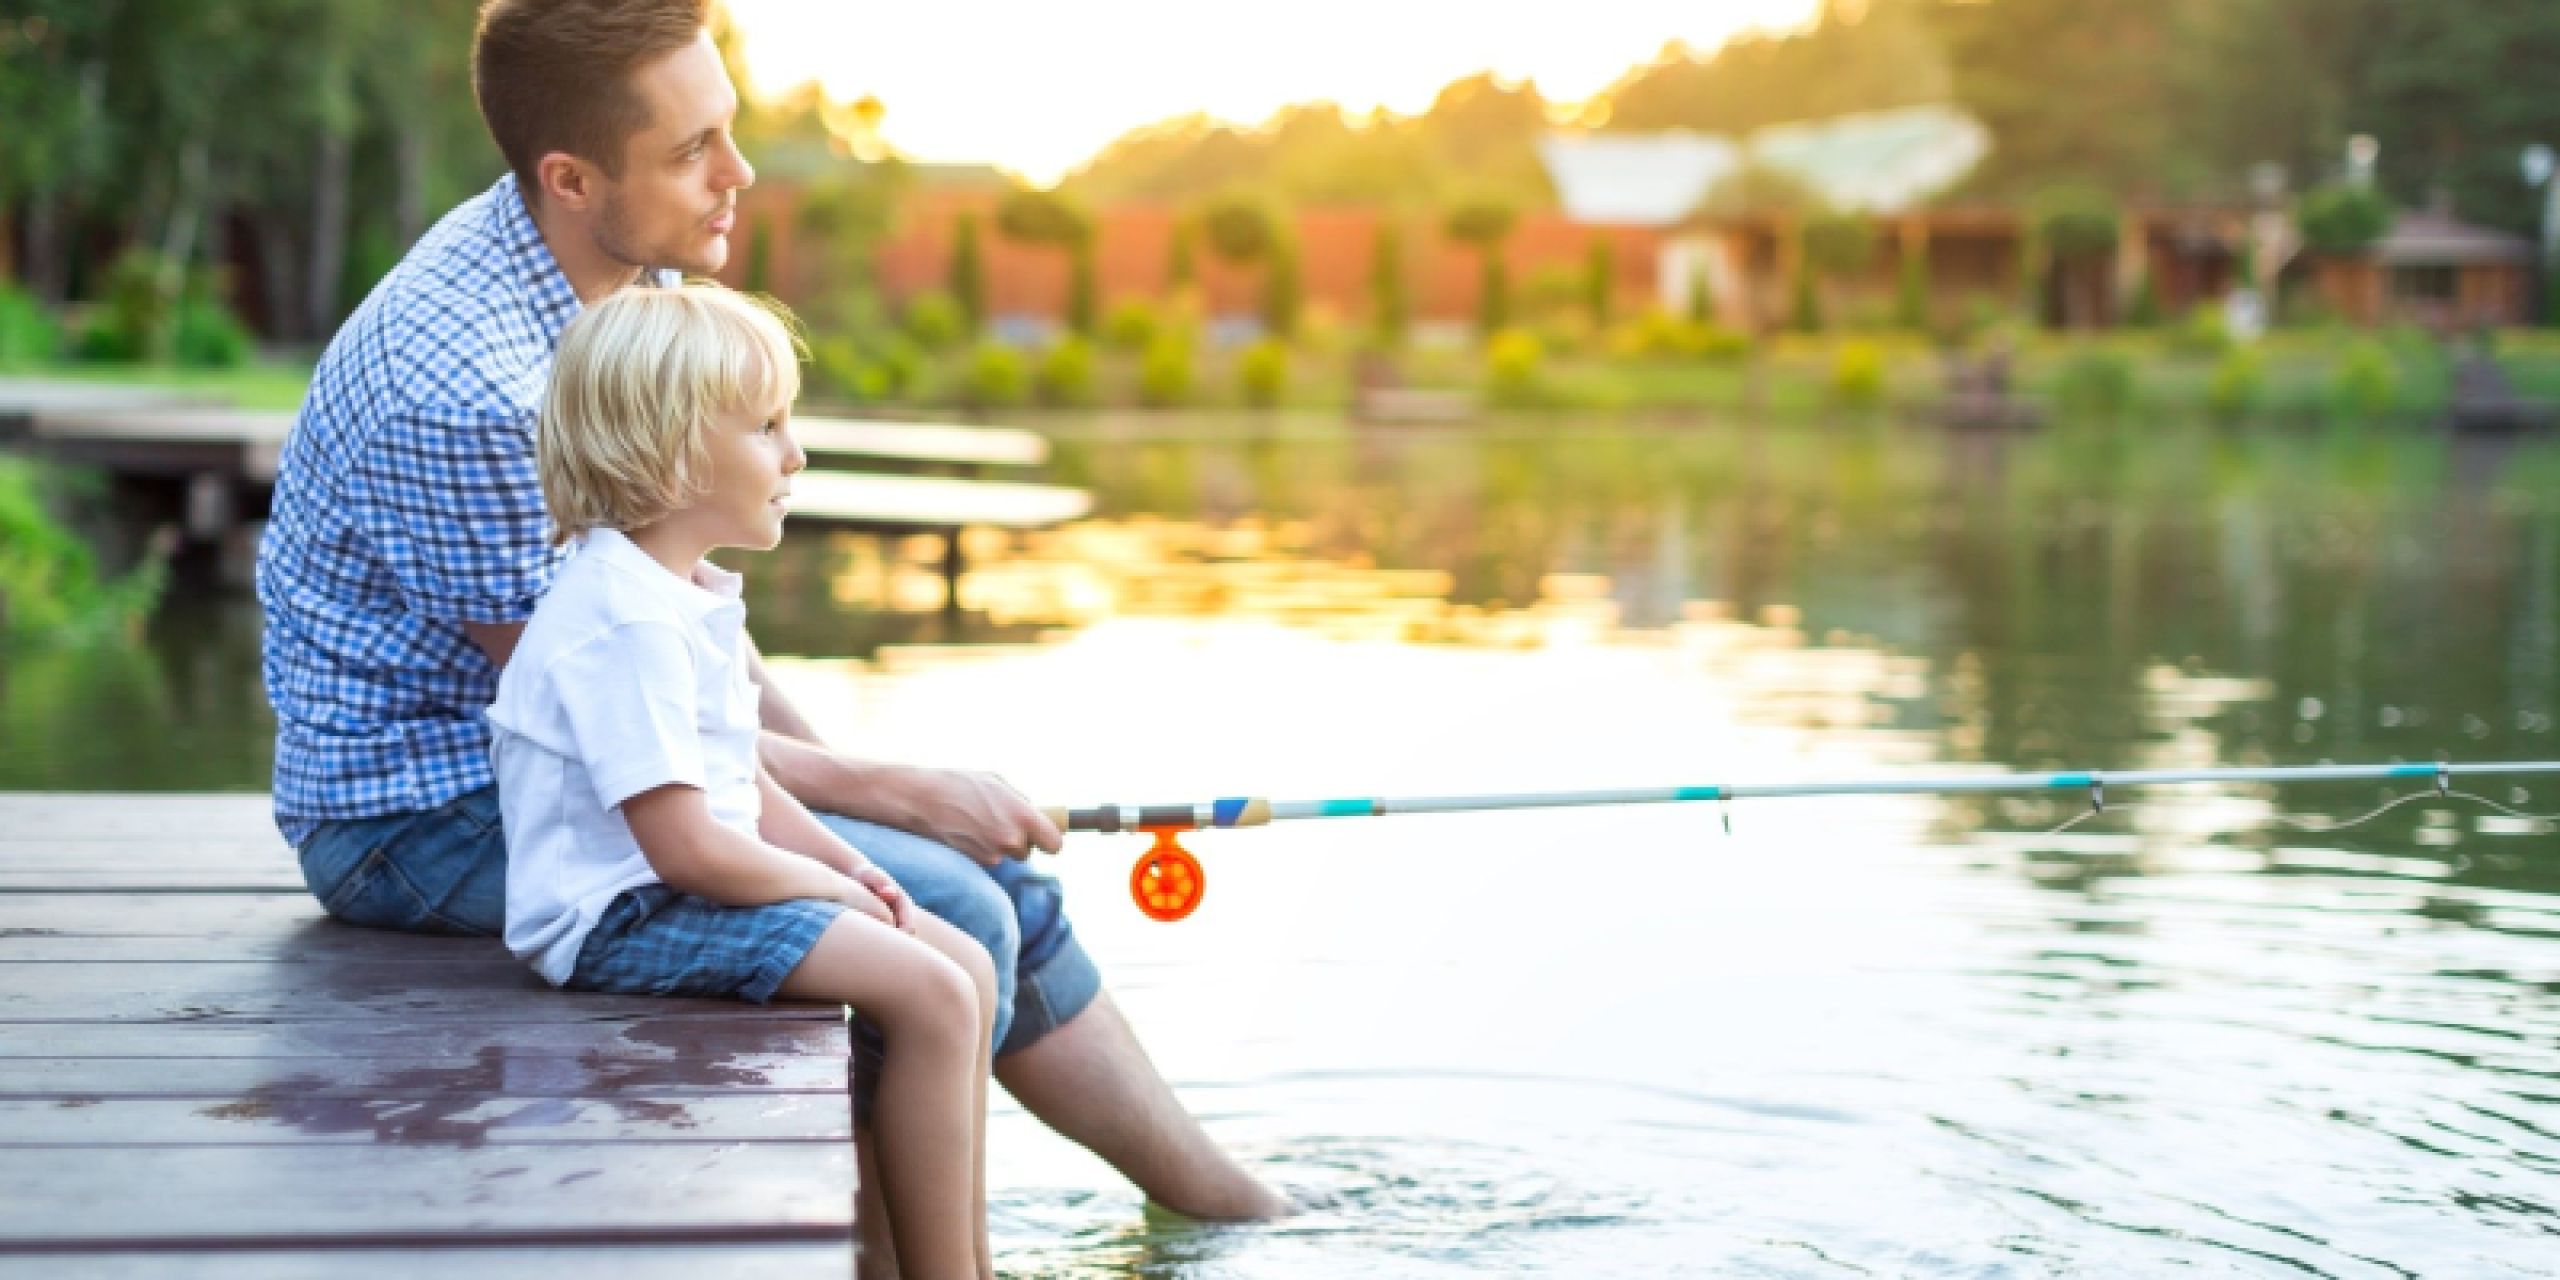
{"x": 406, "y": 504}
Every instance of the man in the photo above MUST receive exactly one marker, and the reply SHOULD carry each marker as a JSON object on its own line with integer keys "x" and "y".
{"x": 407, "y": 547}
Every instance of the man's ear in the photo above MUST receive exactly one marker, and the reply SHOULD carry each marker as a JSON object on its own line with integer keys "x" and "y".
{"x": 567, "y": 182}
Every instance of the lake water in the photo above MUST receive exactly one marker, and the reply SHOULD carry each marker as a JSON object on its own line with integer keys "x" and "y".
{"x": 1854, "y": 1037}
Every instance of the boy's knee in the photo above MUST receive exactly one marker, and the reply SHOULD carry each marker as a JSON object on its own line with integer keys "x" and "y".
{"x": 985, "y": 913}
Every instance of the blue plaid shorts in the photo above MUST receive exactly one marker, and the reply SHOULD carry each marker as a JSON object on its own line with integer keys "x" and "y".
{"x": 655, "y": 941}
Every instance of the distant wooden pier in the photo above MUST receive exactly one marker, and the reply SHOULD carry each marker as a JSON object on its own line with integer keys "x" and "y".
{"x": 208, "y": 471}
{"x": 201, "y": 1073}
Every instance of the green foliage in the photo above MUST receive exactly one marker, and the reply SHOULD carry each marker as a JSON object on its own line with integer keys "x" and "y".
{"x": 1390, "y": 302}
{"x": 1132, "y": 325}
{"x": 759, "y": 275}
{"x": 1493, "y": 295}
{"x": 968, "y": 276}
{"x": 1283, "y": 294}
{"x": 1485, "y": 224}
{"x": 1804, "y": 305}
{"x": 1262, "y": 373}
{"x": 208, "y": 336}
{"x": 1241, "y": 232}
{"x": 937, "y": 320}
{"x": 1065, "y": 377}
{"x": 1911, "y": 292}
{"x": 2238, "y": 384}
{"x": 1839, "y": 244}
{"x": 27, "y": 334}
{"x": 1657, "y": 335}
{"x": 2365, "y": 384}
{"x": 2144, "y": 310}
{"x": 995, "y": 378}
{"x": 2342, "y": 218}
{"x": 2075, "y": 222}
{"x": 1857, "y": 375}
{"x": 2097, "y": 382}
{"x": 2206, "y": 331}
{"x": 1702, "y": 297}
{"x": 50, "y": 587}
{"x": 1599, "y": 280}
{"x": 1082, "y": 296}
{"x": 1028, "y": 215}
{"x": 1887, "y": 56}
{"x": 1756, "y": 191}
{"x": 1514, "y": 369}
{"x": 1165, "y": 372}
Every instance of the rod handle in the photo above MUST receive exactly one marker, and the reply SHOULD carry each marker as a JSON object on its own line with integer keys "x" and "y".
{"x": 1236, "y": 811}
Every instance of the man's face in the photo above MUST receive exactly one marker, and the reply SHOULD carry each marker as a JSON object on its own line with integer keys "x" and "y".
{"x": 677, "y": 197}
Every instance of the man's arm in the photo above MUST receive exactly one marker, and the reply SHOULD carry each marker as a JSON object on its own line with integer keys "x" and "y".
{"x": 976, "y": 813}
{"x": 497, "y": 639}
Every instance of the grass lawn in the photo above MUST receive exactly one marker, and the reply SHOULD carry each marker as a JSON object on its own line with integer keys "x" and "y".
{"x": 254, "y": 386}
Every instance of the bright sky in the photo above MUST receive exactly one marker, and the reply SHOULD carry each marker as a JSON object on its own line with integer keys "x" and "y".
{"x": 1038, "y": 86}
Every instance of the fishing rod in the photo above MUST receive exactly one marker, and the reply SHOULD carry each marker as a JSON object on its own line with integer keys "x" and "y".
{"x": 1167, "y": 882}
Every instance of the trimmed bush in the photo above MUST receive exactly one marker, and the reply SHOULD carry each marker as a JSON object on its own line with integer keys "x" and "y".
{"x": 995, "y": 377}
{"x": 1132, "y": 325}
{"x": 27, "y": 334}
{"x": 2096, "y": 382}
{"x": 937, "y": 320}
{"x": 1164, "y": 372}
{"x": 2365, "y": 385}
{"x": 208, "y": 336}
{"x": 1262, "y": 373}
{"x": 1065, "y": 377}
{"x": 2239, "y": 382}
{"x": 2205, "y": 332}
{"x": 1857, "y": 375}
{"x": 1514, "y": 377}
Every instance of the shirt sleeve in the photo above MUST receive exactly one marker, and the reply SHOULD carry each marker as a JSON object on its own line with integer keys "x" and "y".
{"x": 452, "y": 504}
{"x": 627, "y": 697}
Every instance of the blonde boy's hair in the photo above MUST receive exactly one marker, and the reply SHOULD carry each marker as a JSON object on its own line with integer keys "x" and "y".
{"x": 635, "y": 387}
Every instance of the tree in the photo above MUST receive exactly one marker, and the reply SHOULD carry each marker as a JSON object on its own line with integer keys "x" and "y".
{"x": 969, "y": 273}
{"x": 2075, "y": 230}
{"x": 2341, "y": 218}
{"x": 1484, "y": 224}
{"x": 1388, "y": 299}
{"x": 1045, "y": 219}
{"x": 1283, "y": 295}
{"x": 1599, "y": 279}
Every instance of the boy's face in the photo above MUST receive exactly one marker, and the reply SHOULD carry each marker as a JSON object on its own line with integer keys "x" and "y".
{"x": 677, "y": 198}
{"x": 753, "y": 458}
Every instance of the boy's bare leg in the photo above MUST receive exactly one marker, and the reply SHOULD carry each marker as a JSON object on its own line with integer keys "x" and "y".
{"x": 927, "y": 1007}
{"x": 1090, "y": 1080}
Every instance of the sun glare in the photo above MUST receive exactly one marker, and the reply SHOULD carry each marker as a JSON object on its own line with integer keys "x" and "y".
{"x": 1037, "y": 88}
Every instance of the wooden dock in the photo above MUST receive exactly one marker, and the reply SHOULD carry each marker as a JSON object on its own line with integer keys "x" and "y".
{"x": 209, "y": 470}
{"x": 201, "y": 1074}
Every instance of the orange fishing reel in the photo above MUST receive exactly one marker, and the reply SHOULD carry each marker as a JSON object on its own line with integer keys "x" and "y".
{"x": 1167, "y": 883}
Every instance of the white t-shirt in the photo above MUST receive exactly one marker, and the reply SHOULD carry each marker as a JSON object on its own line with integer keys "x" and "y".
{"x": 627, "y": 678}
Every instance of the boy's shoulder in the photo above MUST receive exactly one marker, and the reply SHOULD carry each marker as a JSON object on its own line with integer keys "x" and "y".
{"x": 606, "y": 587}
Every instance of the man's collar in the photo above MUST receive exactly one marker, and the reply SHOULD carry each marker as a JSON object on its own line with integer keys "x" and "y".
{"x": 545, "y": 285}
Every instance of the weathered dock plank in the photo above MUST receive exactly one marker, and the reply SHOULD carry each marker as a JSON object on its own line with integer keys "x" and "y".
{"x": 217, "y": 1079}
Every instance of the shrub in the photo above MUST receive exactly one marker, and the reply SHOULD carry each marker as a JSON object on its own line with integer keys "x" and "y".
{"x": 2096, "y": 382}
{"x": 2341, "y": 218}
{"x": 2366, "y": 382}
{"x": 2239, "y": 381}
{"x": 2205, "y": 332}
{"x": 27, "y": 334}
{"x": 1065, "y": 375}
{"x": 1857, "y": 375}
{"x": 1132, "y": 325}
{"x": 1262, "y": 373}
{"x": 1659, "y": 335}
{"x": 1164, "y": 372}
{"x": 937, "y": 320}
{"x": 995, "y": 376}
{"x": 1513, "y": 377}
{"x": 1805, "y": 309}
{"x": 208, "y": 336}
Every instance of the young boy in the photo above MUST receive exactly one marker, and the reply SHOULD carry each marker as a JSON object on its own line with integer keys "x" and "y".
{"x": 647, "y": 850}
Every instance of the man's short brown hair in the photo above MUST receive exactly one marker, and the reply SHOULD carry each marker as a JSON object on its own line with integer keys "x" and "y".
{"x": 555, "y": 75}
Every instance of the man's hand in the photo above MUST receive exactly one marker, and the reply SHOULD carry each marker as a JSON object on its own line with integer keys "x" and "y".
{"x": 980, "y": 815}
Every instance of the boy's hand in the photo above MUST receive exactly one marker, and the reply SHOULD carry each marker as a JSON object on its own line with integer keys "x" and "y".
{"x": 899, "y": 912}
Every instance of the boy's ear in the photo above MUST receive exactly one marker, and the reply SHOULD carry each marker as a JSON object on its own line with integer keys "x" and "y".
{"x": 566, "y": 181}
